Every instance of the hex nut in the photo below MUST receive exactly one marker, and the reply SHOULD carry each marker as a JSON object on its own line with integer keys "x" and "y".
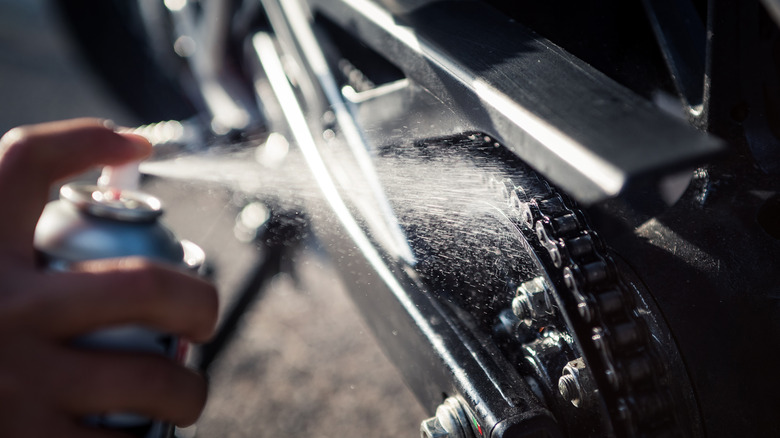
{"x": 432, "y": 428}
{"x": 450, "y": 421}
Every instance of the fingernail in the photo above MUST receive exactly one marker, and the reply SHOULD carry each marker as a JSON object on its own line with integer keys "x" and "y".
{"x": 108, "y": 123}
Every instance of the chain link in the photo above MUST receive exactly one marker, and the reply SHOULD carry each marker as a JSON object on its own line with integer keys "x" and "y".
{"x": 605, "y": 314}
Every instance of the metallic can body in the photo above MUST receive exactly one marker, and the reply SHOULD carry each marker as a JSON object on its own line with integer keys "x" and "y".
{"x": 90, "y": 223}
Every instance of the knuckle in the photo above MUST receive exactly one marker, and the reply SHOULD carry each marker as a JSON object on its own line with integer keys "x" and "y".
{"x": 15, "y": 145}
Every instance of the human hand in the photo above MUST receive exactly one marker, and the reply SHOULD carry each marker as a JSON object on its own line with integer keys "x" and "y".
{"x": 46, "y": 385}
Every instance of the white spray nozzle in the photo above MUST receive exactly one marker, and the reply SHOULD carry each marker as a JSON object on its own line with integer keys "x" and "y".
{"x": 124, "y": 177}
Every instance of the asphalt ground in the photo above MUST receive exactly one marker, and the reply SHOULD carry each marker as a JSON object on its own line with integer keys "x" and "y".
{"x": 302, "y": 363}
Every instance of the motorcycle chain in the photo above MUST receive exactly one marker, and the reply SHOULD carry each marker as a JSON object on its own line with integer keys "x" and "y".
{"x": 625, "y": 362}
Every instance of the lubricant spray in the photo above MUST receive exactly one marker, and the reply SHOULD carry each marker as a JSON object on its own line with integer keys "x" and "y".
{"x": 92, "y": 222}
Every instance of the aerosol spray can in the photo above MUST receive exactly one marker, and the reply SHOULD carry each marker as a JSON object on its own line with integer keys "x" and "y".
{"x": 92, "y": 222}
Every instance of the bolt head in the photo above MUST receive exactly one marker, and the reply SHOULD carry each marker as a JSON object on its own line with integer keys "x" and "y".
{"x": 534, "y": 298}
{"x": 521, "y": 307}
{"x": 432, "y": 428}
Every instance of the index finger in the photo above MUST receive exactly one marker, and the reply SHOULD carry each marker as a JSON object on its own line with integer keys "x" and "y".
{"x": 33, "y": 157}
{"x": 113, "y": 292}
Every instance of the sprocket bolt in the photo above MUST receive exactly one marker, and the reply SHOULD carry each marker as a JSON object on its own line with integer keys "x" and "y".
{"x": 532, "y": 299}
{"x": 574, "y": 383}
{"x": 569, "y": 388}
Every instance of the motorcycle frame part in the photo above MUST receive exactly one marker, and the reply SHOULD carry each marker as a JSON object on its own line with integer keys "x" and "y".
{"x": 578, "y": 128}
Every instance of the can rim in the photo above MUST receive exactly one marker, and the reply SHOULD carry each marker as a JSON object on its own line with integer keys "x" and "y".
{"x": 106, "y": 202}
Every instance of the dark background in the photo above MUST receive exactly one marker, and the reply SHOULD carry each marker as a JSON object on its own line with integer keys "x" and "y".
{"x": 302, "y": 363}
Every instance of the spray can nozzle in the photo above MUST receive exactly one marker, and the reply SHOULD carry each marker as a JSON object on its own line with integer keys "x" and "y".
{"x": 116, "y": 195}
{"x": 124, "y": 177}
